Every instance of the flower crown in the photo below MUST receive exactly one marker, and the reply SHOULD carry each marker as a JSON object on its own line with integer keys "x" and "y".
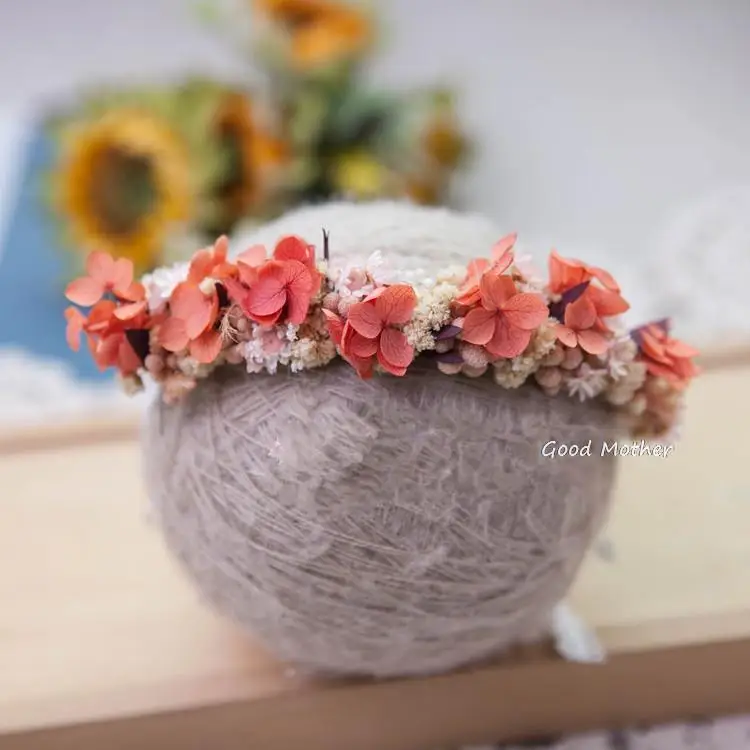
{"x": 180, "y": 323}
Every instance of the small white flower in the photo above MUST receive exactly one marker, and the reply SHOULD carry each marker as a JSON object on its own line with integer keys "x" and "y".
{"x": 619, "y": 356}
{"x": 588, "y": 382}
{"x": 161, "y": 282}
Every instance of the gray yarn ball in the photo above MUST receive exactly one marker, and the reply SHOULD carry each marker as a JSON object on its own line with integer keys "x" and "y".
{"x": 394, "y": 526}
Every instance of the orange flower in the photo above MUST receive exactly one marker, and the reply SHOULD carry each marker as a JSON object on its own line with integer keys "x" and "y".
{"x": 278, "y": 290}
{"x": 506, "y": 318}
{"x": 566, "y": 274}
{"x": 190, "y": 324}
{"x": 211, "y": 262}
{"x": 370, "y": 331}
{"x": 114, "y": 350}
{"x": 666, "y": 357}
{"x": 106, "y": 335}
{"x": 105, "y": 274}
{"x": 248, "y": 263}
{"x": 579, "y": 327}
{"x": 95, "y": 323}
{"x": 502, "y": 259}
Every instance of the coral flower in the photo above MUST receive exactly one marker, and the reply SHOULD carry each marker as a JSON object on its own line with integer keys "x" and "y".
{"x": 566, "y": 273}
{"x": 579, "y": 327}
{"x": 97, "y": 321}
{"x": 666, "y": 357}
{"x": 105, "y": 275}
{"x": 190, "y": 325}
{"x": 114, "y": 350}
{"x": 106, "y": 336}
{"x": 506, "y": 318}
{"x": 502, "y": 259}
{"x": 371, "y": 330}
{"x": 211, "y": 262}
{"x": 278, "y": 290}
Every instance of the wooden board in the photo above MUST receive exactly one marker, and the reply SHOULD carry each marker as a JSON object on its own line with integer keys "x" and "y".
{"x": 103, "y": 644}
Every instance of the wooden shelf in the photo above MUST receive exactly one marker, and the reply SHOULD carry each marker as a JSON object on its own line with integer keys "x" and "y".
{"x": 103, "y": 644}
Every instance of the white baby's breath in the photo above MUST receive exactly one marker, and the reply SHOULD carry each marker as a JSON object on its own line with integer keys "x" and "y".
{"x": 587, "y": 383}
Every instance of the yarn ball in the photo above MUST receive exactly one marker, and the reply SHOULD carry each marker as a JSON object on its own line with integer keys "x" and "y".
{"x": 384, "y": 527}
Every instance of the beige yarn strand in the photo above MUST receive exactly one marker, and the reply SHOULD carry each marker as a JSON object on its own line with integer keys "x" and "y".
{"x": 383, "y": 527}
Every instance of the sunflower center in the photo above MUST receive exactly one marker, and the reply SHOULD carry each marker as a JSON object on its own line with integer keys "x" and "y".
{"x": 235, "y": 176}
{"x": 299, "y": 18}
{"x": 122, "y": 190}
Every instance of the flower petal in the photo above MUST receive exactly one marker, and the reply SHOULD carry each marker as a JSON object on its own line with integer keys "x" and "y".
{"x": 359, "y": 346}
{"x": 396, "y": 304}
{"x": 196, "y": 310}
{"x": 200, "y": 265}
{"x": 128, "y": 312}
{"x": 364, "y": 367}
{"x": 526, "y": 310}
{"x": 237, "y": 292}
{"x": 221, "y": 248}
{"x": 508, "y": 340}
{"x": 100, "y": 317}
{"x": 479, "y": 326}
{"x": 660, "y": 370}
{"x": 496, "y": 289}
{"x": 132, "y": 293}
{"x": 106, "y": 351}
{"x": 565, "y": 272}
{"x": 253, "y": 257}
{"x": 606, "y": 302}
{"x": 85, "y": 291}
{"x": 567, "y": 336}
{"x": 293, "y": 248}
{"x": 268, "y": 295}
{"x": 502, "y": 253}
{"x": 681, "y": 350}
{"x": 100, "y": 266}
{"x": 128, "y": 360}
{"x": 364, "y": 318}
{"x": 469, "y": 297}
{"x": 122, "y": 274}
{"x": 206, "y": 348}
{"x": 653, "y": 348}
{"x": 74, "y": 327}
{"x": 605, "y": 277}
{"x": 335, "y": 326}
{"x": 394, "y": 350}
{"x": 593, "y": 342}
{"x": 299, "y": 288}
{"x": 172, "y": 335}
{"x": 580, "y": 314}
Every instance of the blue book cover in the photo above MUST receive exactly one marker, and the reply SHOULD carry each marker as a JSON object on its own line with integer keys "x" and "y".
{"x": 34, "y": 268}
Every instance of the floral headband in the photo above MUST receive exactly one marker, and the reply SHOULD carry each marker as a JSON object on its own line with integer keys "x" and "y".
{"x": 495, "y": 317}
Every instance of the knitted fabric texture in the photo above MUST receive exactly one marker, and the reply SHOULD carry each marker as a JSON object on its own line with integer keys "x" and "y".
{"x": 382, "y": 527}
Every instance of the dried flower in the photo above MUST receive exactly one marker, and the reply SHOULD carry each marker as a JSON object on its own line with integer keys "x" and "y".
{"x": 105, "y": 274}
{"x": 666, "y": 357}
{"x": 587, "y": 382}
{"x": 432, "y": 313}
{"x": 371, "y": 331}
{"x": 505, "y": 321}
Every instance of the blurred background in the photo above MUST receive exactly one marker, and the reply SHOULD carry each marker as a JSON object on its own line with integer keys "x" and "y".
{"x": 613, "y": 131}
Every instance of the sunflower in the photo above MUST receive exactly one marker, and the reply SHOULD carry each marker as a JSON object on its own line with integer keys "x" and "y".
{"x": 123, "y": 180}
{"x": 253, "y": 156}
{"x": 319, "y": 32}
